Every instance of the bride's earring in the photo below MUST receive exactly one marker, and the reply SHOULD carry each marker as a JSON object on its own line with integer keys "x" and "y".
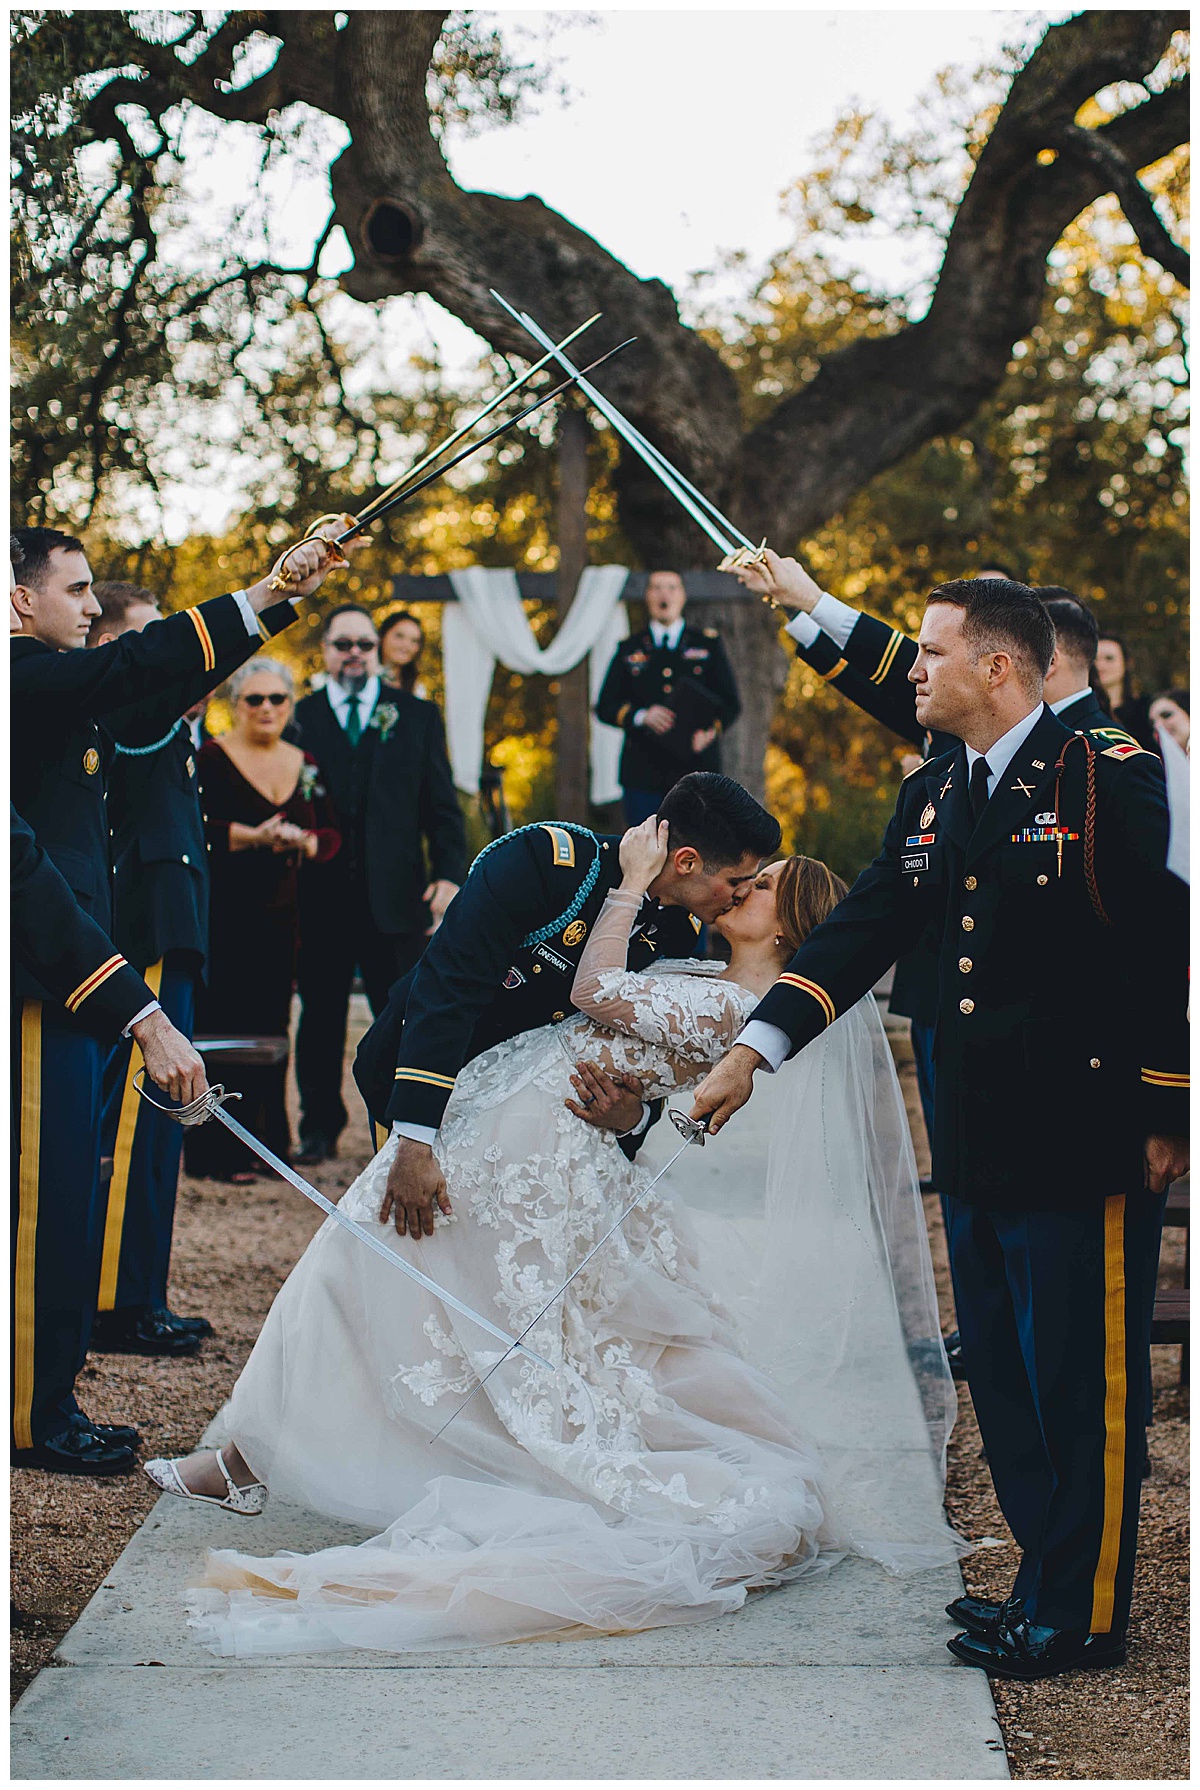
{"x": 779, "y": 938}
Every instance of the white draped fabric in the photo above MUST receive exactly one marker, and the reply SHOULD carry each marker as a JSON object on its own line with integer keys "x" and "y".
{"x": 488, "y": 623}
{"x": 1179, "y": 804}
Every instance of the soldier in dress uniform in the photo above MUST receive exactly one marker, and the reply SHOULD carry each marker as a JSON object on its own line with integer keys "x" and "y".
{"x": 504, "y": 959}
{"x": 140, "y": 684}
{"x": 673, "y": 691}
{"x": 161, "y": 906}
{"x": 1061, "y": 1107}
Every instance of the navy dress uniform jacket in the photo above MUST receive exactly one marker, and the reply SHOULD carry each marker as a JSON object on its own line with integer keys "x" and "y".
{"x": 139, "y": 685}
{"x": 1061, "y": 1039}
{"x": 397, "y": 808}
{"x": 161, "y": 879}
{"x": 59, "y": 945}
{"x": 643, "y": 674}
{"x": 479, "y": 982}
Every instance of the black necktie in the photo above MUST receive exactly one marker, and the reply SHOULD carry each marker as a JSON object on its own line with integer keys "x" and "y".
{"x": 353, "y": 723}
{"x": 978, "y": 790}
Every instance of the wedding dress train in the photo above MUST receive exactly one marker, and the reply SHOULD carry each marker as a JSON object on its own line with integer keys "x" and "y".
{"x": 663, "y": 1469}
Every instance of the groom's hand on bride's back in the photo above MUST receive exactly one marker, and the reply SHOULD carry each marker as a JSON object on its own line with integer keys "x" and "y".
{"x": 415, "y": 1187}
{"x": 727, "y": 1087}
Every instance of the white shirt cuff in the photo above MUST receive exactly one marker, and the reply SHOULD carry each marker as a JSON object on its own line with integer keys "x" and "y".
{"x": 768, "y": 1041}
{"x": 803, "y": 629}
{"x": 248, "y": 615}
{"x": 420, "y": 1134}
{"x": 153, "y": 1007}
{"x": 834, "y": 618}
{"x": 637, "y": 1130}
{"x": 638, "y": 717}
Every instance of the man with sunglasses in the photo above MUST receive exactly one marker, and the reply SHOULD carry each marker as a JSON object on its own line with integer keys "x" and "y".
{"x": 382, "y": 753}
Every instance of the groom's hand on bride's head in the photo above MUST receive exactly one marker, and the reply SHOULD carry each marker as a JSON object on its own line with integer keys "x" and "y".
{"x": 610, "y": 1102}
{"x": 415, "y": 1186}
{"x": 726, "y": 1088}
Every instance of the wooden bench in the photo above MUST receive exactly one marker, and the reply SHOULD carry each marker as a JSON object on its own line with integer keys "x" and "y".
{"x": 1171, "y": 1322}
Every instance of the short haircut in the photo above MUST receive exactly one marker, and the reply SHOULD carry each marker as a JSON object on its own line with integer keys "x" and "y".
{"x": 1001, "y": 615}
{"x": 252, "y": 667}
{"x": 345, "y": 609}
{"x": 116, "y": 599}
{"x": 1075, "y": 627}
{"x": 719, "y": 818}
{"x": 31, "y": 549}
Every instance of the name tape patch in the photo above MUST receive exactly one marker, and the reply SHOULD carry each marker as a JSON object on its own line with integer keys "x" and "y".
{"x": 915, "y": 861}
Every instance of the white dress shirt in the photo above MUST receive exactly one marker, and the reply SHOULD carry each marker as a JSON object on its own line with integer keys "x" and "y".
{"x": 1064, "y": 702}
{"x": 772, "y": 1042}
{"x": 340, "y": 700}
{"x": 829, "y": 616}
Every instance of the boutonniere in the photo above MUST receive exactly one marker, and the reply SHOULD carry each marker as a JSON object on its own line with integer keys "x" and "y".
{"x": 384, "y": 719}
{"x": 309, "y": 787}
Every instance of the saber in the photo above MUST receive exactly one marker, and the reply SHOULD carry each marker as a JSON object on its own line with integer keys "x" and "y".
{"x": 680, "y": 488}
{"x": 514, "y": 386}
{"x": 354, "y": 525}
{"x": 692, "y": 1131}
{"x": 210, "y": 1105}
{"x": 365, "y": 521}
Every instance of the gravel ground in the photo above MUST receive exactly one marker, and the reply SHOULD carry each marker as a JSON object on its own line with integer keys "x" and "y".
{"x": 233, "y": 1248}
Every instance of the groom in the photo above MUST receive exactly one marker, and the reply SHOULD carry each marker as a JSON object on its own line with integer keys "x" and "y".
{"x": 504, "y": 958}
{"x": 1038, "y": 857}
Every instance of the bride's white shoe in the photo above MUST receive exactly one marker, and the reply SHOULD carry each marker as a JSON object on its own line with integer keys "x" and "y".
{"x": 242, "y": 1500}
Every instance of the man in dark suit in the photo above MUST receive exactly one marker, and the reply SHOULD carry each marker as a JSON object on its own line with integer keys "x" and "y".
{"x": 504, "y": 959}
{"x": 673, "y": 691}
{"x": 161, "y": 916}
{"x": 1061, "y": 1106}
{"x": 382, "y": 753}
{"x": 60, "y": 696}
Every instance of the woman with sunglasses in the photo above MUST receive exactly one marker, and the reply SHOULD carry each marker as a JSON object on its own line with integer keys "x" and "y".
{"x": 267, "y": 817}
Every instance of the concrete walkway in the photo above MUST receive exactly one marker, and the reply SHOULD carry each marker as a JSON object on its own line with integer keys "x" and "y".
{"x": 842, "y": 1676}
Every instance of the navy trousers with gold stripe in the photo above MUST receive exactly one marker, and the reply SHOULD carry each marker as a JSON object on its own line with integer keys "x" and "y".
{"x": 1054, "y": 1310}
{"x": 145, "y": 1146}
{"x": 56, "y": 1212}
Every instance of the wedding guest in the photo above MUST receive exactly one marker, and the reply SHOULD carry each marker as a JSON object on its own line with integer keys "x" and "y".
{"x": 269, "y": 819}
{"x": 382, "y": 752}
{"x": 161, "y": 906}
{"x": 401, "y": 642}
{"x": 1172, "y": 712}
{"x": 64, "y": 701}
{"x": 672, "y": 690}
{"x": 1114, "y": 668}
{"x": 1061, "y": 1102}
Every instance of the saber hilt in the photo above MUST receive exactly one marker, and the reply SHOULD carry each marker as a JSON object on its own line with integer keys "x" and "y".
{"x": 193, "y": 1112}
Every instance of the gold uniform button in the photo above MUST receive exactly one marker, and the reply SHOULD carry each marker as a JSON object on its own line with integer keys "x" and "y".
{"x": 968, "y": 925}
{"x": 965, "y": 964}
{"x": 970, "y": 884}
{"x": 1042, "y": 881}
{"x": 557, "y": 1016}
{"x": 1095, "y": 1063}
{"x": 537, "y": 969}
{"x": 966, "y": 1006}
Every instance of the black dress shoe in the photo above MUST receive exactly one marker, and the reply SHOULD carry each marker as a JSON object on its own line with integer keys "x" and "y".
{"x": 1024, "y": 1650}
{"x": 191, "y": 1326}
{"x": 983, "y": 1615}
{"x": 141, "y": 1333}
{"x": 315, "y": 1147}
{"x": 120, "y": 1435}
{"x": 954, "y": 1354}
{"x": 79, "y": 1449}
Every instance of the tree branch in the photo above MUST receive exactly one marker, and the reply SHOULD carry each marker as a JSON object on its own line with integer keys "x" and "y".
{"x": 1110, "y": 165}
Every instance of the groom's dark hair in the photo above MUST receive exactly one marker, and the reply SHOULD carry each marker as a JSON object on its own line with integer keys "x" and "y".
{"x": 719, "y": 818}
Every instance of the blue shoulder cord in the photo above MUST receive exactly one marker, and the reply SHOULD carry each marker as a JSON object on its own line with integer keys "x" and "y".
{"x": 581, "y": 894}
{"x": 145, "y": 751}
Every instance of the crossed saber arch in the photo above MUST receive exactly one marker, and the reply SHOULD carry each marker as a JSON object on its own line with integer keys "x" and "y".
{"x": 211, "y": 1105}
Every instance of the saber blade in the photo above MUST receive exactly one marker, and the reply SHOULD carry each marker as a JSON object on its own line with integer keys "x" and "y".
{"x": 694, "y": 1132}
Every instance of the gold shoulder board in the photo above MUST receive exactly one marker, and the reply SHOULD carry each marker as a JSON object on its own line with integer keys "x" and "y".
{"x": 1129, "y": 751}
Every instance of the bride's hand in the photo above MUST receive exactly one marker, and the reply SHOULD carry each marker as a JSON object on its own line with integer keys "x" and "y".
{"x": 415, "y": 1184}
{"x": 643, "y": 853}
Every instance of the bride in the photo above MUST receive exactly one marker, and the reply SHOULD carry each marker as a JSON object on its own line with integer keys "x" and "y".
{"x": 713, "y": 1423}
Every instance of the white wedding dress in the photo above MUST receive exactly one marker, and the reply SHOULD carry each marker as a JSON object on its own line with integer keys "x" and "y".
{"x": 660, "y": 1472}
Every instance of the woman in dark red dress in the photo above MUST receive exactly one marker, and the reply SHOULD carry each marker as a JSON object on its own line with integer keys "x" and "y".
{"x": 267, "y": 817}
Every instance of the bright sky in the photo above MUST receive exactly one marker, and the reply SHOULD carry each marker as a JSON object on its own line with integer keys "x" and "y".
{"x": 681, "y": 131}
